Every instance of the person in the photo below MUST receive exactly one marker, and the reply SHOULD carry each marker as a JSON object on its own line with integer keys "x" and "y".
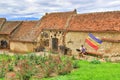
{"x": 83, "y": 50}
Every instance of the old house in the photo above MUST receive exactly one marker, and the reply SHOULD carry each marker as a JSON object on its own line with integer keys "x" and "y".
{"x": 23, "y": 38}
{"x": 53, "y": 29}
{"x": 6, "y": 29}
{"x": 104, "y": 25}
{"x": 66, "y": 29}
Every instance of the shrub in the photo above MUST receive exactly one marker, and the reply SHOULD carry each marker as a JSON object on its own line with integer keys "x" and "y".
{"x": 73, "y": 57}
{"x": 10, "y": 67}
{"x": 75, "y": 64}
{"x": 26, "y": 66}
{"x": 107, "y": 59}
{"x": 2, "y": 69}
{"x": 65, "y": 66}
{"x": 95, "y": 61}
{"x": 26, "y": 70}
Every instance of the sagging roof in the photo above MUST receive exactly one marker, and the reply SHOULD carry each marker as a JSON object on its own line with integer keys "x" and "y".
{"x": 9, "y": 26}
{"x": 25, "y": 32}
{"x": 101, "y": 21}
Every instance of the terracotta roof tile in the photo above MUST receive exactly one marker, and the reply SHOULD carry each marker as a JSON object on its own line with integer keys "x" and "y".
{"x": 9, "y": 26}
{"x": 2, "y": 20}
{"x": 101, "y": 21}
{"x": 25, "y": 32}
{"x": 55, "y": 20}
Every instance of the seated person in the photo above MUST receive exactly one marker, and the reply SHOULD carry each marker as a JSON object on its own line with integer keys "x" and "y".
{"x": 82, "y": 50}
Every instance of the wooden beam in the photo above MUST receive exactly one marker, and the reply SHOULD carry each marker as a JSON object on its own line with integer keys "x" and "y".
{"x": 110, "y": 40}
{"x": 94, "y": 54}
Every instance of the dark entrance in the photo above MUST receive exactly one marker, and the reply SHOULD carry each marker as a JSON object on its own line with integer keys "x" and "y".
{"x": 3, "y": 44}
{"x": 55, "y": 44}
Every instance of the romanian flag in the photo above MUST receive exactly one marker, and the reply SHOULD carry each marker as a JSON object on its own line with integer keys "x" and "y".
{"x": 93, "y": 41}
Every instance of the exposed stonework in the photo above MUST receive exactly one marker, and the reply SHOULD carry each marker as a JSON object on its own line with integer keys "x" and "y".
{"x": 63, "y": 28}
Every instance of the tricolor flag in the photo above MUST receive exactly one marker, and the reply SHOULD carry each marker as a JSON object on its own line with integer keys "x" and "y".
{"x": 93, "y": 41}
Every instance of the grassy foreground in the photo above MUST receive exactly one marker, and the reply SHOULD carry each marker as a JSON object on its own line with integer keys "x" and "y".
{"x": 86, "y": 70}
{"x": 89, "y": 71}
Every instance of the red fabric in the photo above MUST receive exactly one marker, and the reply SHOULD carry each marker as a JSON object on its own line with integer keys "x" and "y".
{"x": 91, "y": 44}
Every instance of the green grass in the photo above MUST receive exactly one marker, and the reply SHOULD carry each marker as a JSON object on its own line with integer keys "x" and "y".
{"x": 1, "y": 78}
{"x": 89, "y": 71}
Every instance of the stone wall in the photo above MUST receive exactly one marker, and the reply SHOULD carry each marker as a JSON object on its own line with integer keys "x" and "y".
{"x": 74, "y": 40}
{"x": 57, "y": 34}
{"x": 21, "y": 46}
{"x": 52, "y": 34}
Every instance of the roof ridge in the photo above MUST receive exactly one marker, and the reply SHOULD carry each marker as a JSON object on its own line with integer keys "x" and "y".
{"x": 98, "y": 12}
{"x": 74, "y": 12}
{"x": 31, "y": 21}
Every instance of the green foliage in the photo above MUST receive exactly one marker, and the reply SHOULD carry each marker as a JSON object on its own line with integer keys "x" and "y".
{"x": 26, "y": 66}
{"x": 107, "y": 60}
{"x": 2, "y": 72}
{"x": 87, "y": 71}
{"x": 75, "y": 64}
{"x": 26, "y": 70}
{"x": 2, "y": 69}
{"x": 95, "y": 61}
{"x": 73, "y": 57}
{"x": 10, "y": 67}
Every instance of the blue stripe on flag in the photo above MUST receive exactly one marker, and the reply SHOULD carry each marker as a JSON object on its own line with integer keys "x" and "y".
{"x": 94, "y": 38}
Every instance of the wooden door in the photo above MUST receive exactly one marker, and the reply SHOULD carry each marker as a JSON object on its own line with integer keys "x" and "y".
{"x": 54, "y": 43}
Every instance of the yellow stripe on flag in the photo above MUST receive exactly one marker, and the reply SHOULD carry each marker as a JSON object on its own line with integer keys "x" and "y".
{"x": 94, "y": 42}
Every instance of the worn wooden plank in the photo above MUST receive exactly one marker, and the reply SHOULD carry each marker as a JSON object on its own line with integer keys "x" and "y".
{"x": 94, "y": 54}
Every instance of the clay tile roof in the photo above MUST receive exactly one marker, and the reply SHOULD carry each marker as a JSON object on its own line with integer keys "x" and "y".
{"x": 101, "y": 21}
{"x": 50, "y": 21}
{"x": 55, "y": 20}
{"x": 9, "y": 26}
{"x": 2, "y": 20}
{"x": 25, "y": 32}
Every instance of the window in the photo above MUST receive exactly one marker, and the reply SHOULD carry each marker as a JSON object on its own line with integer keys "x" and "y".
{"x": 46, "y": 42}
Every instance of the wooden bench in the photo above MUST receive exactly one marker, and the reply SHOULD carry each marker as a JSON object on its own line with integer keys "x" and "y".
{"x": 94, "y": 54}
{"x": 90, "y": 53}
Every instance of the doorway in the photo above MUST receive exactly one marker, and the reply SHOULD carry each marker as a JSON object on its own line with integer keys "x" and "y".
{"x": 55, "y": 44}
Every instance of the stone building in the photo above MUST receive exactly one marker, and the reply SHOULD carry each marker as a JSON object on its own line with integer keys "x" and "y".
{"x": 53, "y": 29}
{"x": 24, "y": 37}
{"x": 6, "y": 29}
{"x": 73, "y": 32}
{"x": 67, "y": 29}
{"x": 105, "y": 25}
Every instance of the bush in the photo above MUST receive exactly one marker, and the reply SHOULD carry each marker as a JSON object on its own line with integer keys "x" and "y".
{"x": 26, "y": 70}
{"x": 75, "y": 64}
{"x": 2, "y": 69}
{"x": 95, "y": 61}
{"x": 10, "y": 67}
{"x": 107, "y": 60}
{"x": 26, "y": 66}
